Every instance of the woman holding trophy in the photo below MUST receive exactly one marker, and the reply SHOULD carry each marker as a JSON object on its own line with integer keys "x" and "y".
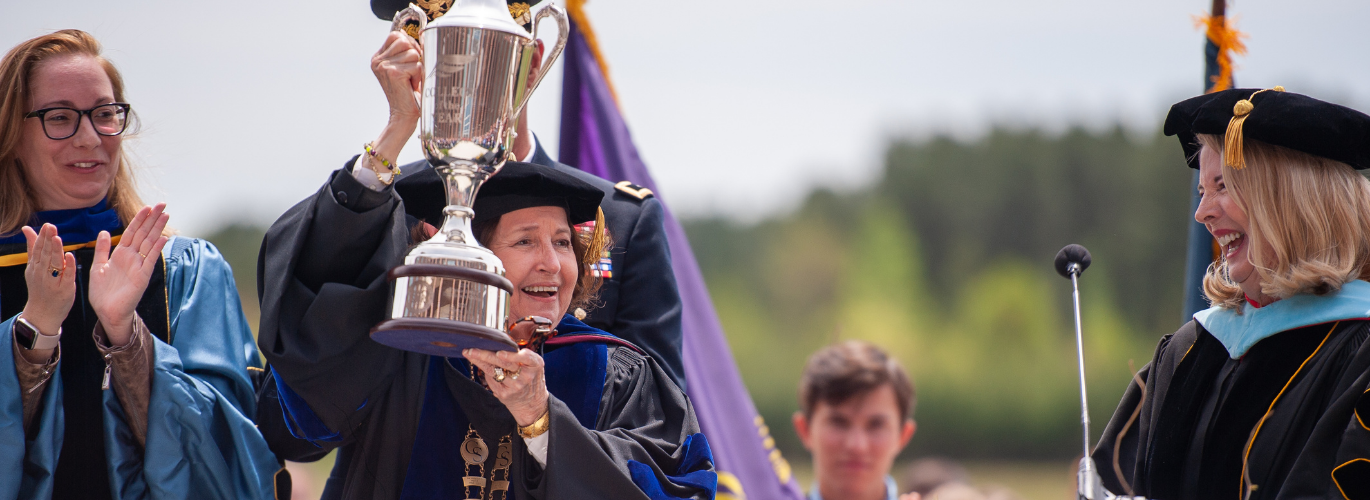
{"x": 128, "y": 375}
{"x": 1264, "y": 395}
{"x": 422, "y": 405}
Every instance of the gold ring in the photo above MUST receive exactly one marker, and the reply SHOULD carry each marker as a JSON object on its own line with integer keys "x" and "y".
{"x": 499, "y": 374}
{"x": 55, "y": 271}
{"x": 140, "y": 254}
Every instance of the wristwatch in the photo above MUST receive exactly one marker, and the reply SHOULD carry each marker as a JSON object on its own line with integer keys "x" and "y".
{"x": 30, "y": 338}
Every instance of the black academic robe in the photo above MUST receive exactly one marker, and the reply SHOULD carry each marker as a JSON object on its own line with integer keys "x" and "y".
{"x": 321, "y": 279}
{"x": 1192, "y": 437}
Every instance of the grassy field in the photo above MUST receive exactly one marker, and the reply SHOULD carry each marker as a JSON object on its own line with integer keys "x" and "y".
{"x": 1027, "y": 480}
{"x": 1030, "y": 480}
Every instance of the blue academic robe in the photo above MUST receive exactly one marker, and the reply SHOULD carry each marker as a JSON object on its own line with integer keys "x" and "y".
{"x": 201, "y": 442}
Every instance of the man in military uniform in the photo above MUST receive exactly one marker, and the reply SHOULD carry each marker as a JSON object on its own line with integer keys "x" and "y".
{"x": 639, "y": 300}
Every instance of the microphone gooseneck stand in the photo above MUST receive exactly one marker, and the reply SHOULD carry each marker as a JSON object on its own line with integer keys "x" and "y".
{"x": 1071, "y": 262}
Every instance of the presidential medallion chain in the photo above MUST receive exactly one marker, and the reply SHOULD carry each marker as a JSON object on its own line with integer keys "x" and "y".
{"x": 474, "y": 451}
{"x": 499, "y": 478}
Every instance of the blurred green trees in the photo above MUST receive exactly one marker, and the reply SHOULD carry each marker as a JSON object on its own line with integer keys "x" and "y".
{"x": 946, "y": 261}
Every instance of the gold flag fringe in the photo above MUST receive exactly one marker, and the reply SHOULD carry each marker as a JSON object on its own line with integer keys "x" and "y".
{"x": 576, "y": 10}
{"x": 1224, "y": 34}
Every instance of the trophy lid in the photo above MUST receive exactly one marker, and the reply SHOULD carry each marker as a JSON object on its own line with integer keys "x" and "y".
{"x": 484, "y": 14}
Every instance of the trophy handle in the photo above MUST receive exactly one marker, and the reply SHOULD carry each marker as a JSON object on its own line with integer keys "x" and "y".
{"x": 564, "y": 33}
{"x": 410, "y": 20}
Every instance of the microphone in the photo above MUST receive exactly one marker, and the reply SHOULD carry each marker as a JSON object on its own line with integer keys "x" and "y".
{"x": 1073, "y": 259}
{"x": 1070, "y": 262}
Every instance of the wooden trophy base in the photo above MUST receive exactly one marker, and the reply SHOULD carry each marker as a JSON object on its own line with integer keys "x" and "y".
{"x": 440, "y": 337}
{"x": 447, "y": 337}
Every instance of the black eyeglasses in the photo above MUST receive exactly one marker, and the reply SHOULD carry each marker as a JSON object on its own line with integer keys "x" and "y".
{"x": 61, "y": 123}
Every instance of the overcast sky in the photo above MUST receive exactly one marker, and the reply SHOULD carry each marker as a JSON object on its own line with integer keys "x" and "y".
{"x": 739, "y": 107}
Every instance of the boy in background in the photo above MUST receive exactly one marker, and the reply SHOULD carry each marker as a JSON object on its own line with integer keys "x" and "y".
{"x": 856, "y": 415}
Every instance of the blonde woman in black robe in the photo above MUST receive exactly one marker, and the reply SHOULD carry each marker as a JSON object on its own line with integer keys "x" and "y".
{"x": 1264, "y": 395}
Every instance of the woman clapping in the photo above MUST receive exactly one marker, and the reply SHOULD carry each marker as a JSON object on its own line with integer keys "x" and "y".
{"x": 129, "y": 346}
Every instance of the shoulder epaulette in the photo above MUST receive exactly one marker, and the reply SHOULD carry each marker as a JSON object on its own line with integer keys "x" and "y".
{"x": 633, "y": 190}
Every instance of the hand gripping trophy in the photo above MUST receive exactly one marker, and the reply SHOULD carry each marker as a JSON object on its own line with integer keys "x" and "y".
{"x": 451, "y": 293}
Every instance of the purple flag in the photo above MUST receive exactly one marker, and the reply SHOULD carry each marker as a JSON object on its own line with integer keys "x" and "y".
{"x": 595, "y": 138}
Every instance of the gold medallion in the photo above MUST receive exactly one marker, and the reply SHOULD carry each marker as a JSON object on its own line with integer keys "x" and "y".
{"x": 473, "y": 450}
{"x": 505, "y": 454}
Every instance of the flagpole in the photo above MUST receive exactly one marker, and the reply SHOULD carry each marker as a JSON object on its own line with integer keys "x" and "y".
{"x": 596, "y": 139}
{"x": 1199, "y": 252}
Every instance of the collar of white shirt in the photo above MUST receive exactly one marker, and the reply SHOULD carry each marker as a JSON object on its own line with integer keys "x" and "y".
{"x": 891, "y": 491}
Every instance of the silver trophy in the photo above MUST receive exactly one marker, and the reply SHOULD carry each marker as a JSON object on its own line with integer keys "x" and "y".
{"x": 451, "y": 293}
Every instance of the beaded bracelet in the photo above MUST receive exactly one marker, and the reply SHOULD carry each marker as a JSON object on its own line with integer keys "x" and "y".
{"x": 374, "y": 156}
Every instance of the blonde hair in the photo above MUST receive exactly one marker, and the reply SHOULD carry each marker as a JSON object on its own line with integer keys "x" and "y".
{"x": 17, "y": 201}
{"x": 1312, "y": 215}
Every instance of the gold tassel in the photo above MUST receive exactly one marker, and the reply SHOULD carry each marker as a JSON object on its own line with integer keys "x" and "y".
{"x": 1232, "y": 149}
{"x": 575, "y": 9}
{"x": 599, "y": 241}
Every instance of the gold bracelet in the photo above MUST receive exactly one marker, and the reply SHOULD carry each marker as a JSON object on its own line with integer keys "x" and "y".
{"x": 537, "y": 428}
{"x": 372, "y": 155}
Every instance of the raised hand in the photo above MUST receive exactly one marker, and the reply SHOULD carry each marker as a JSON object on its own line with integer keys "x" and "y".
{"x": 51, "y": 281}
{"x": 119, "y": 278}
{"x": 398, "y": 66}
{"x": 523, "y": 389}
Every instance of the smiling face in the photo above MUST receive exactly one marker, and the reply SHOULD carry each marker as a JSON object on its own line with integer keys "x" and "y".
{"x": 854, "y": 443}
{"x": 535, "y": 246}
{"x": 75, "y": 172}
{"x": 1220, "y": 213}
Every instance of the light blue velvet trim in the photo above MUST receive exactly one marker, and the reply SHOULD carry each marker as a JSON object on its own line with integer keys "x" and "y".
{"x": 1239, "y": 331}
